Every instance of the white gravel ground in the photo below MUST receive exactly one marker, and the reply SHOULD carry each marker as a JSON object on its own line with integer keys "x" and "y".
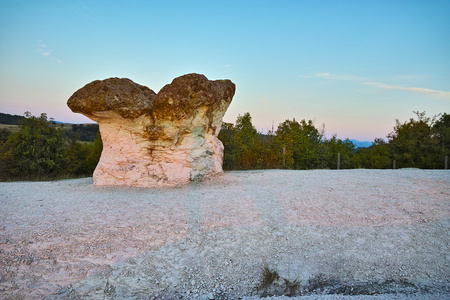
{"x": 348, "y": 232}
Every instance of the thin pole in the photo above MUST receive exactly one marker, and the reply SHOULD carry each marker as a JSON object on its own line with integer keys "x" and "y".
{"x": 446, "y": 162}
{"x": 394, "y": 164}
{"x": 339, "y": 161}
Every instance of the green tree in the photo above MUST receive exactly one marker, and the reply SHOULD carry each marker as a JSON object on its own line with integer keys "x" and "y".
{"x": 270, "y": 152}
{"x": 82, "y": 158}
{"x": 419, "y": 143}
{"x": 441, "y": 131}
{"x": 335, "y": 146}
{"x": 301, "y": 142}
{"x": 377, "y": 156}
{"x": 94, "y": 153}
{"x": 414, "y": 143}
{"x": 36, "y": 151}
{"x": 245, "y": 148}
{"x": 4, "y": 134}
{"x": 361, "y": 159}
{"x": 227, "y": 136}
{"x": 380, "y": 155}
{"x": 247, "y": 142}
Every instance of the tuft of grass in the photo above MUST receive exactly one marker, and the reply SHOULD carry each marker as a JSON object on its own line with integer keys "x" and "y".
{"x": 292, "y": 287}
{"x": 269, "y": 276}
{"x": 272, "y": 284}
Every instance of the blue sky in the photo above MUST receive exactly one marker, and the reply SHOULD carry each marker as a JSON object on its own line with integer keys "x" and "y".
{"x": 354, "y": 65}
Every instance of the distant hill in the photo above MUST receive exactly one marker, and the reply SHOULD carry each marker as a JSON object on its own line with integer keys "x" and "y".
{"x": 10, "y": 119}
{"x": 361, "y": 144}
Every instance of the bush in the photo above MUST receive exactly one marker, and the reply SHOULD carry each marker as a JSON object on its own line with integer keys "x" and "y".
{"x": 41, "y": 151}
{"x": 82, "y": 158}
{"x": 36, "y": 151}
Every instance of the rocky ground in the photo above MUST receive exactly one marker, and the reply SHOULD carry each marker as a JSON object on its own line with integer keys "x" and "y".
{"x": 368, "y": 234}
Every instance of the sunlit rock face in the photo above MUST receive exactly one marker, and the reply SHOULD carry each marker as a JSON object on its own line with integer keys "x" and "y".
{"x": 156, "y": 140}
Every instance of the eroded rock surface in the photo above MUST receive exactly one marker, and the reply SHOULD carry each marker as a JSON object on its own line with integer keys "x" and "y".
{"x": 153, "y": 140}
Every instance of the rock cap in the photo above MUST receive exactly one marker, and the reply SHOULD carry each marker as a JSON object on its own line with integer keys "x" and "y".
{"x": 129, "y": 99}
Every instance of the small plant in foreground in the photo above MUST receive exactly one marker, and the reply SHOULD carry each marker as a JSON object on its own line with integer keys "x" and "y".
{"x": 292, "y": 287}
{"x": 272, "y": 284}
{"x": 269, "y": 276}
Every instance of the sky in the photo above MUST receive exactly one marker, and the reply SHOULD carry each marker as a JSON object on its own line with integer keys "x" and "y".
{"x": 355, "y": 66}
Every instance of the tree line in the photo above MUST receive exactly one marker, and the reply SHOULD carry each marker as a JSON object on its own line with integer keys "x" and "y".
{"x": 421, "y": 142}
{"x": 42, "y": 150}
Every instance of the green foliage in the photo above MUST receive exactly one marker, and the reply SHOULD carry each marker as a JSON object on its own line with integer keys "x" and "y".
{"x": 414, "y": 144}
{"x": 40, "y": 151}
{"x": 334, "y": 146}
{"x": 247, "y": 141}
{"x": 245, "y": 148}
{"x": 306, "y": 148}
{"x": 86, "y": 133}
{"x": 302, "y": 143}
{"x": 227, "y": 136}
{"x": 421, "y": 143}
{"x": 377, "y": 156}
{"x": 82, "y": 158}
{"x": 36, "y": 150}
{"x": 380, "y": 156}
{"x": 4, "y": 134}
{"x": 270, "y": 152}
{"x": 417, "y": 143}
{"x": 441, "y": 131}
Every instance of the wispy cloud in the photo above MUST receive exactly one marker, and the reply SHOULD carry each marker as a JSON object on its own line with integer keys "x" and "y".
{"x": 328, "y": 75}
{"x": 415, "y": 90}
{"x": 333, "y": 76}
{"x": 44, "y": 51}
{"x": 322, "y": 75}
{"x": 367, "y": 81}
{"x": 338, "y": 76}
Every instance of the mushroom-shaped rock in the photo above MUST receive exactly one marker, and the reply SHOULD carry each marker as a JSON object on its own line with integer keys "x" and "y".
{"x": 156, "y": 140}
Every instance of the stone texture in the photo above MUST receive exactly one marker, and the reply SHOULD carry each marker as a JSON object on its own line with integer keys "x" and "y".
{"x": 156, "y": 140}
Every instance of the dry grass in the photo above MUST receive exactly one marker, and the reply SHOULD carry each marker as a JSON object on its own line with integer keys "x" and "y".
{"x": 272, "y": 284}
{"x": 12, "y": 128}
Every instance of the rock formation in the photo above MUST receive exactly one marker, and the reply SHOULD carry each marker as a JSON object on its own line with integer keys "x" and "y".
{"x": 156, "y": 140}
